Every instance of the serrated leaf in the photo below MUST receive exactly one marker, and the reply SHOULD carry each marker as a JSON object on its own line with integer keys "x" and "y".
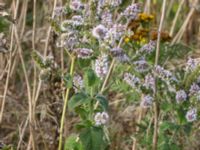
{"x": 93, "y": 139}
{"x": 78, "y": 100}
{"x": 90, "y": 78}
{"x": 102, "y": 101}
{"x": 71, "y": 143}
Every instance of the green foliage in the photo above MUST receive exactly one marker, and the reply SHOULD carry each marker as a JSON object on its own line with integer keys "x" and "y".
{"x": 78, "y": 100}
{"x": 72, "y": 143}
{"x": 103, "y": 102}
{"x": 93, "y": 138}
{"x": 4, "y": 24}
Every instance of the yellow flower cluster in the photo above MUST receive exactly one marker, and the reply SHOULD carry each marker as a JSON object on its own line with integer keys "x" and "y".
{"x": 145, "y": 17}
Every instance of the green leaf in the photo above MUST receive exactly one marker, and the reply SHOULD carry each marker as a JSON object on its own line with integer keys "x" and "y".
{"x": 90, "y": 78}
{"x": 102, "y": 101}
{"x": 68, "y": 80}
{"x": 78, "y": 100}
{"x": 93, "y": 139}
{"x": 71, "y": 143}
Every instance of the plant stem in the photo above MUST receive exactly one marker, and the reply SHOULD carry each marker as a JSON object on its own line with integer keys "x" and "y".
{"x": 65, "y": 105}
{"x": 156, "y": 113}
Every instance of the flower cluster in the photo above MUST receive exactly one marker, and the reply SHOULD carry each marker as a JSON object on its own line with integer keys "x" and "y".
{"x": 181, "y": 96}
{"x": 101, "y": 66}
{"x": 147, "y": 101}
{"x": 142, "y": 65}
{"x": 84, "y": 53}
{"x": 132, "y": 11}
{"x": 191, "y": 64}
{"x": 76, "y": 5}
{"x": 145, "y": 17}
{"x": 148, "y": 48}
{"x": 100, "y": 32}
{"x": 131, "y": 80}
{"x": 194, "y": 89}
{"x": 191, "y": 115}
{"x": 119, "y": 55}
{"x": 149, "y": 82}
{"x": 77, "y": 82}
{"x": 101, "y": 118}
{"x": 163, "y": 73}
{"x": 106, "y": 19}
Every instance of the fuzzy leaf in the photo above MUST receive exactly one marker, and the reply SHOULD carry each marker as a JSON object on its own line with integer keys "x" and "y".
{"x": 93, "y": 138}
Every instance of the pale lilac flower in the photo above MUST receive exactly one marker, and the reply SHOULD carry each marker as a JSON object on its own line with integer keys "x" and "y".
{"x": 131, "y": 80}
{"x": 117, "y": 31}
{"x": 101, "y": 118}
{"x": 59, "y": 10}
{"x": 106, "y": 19}
{"x": 191, "y": 64}
{"x": 141, "y": 65}
{"x": 148, "y": 48}
{"x": 76, "y": 5}
{"x": 68, "y": 40}
{"x": 77, "y": 20}
{"x": 78, "y": 82}
{"x": 194, "y": 89}
{"x": 119, "y": 54}
{"x": 164, "y": 74}
{"x": 100, "y": 32}
{"x": 147, "y": 101}
{"x": 191, "y": 115}
{"x": 84, "y": 53}
{"x": 115, "y": 3}
{"x": 181, "y": 96}
{"x": 159, "y": 70}
{"x": 101, "y": 66}
{"x": 116, "y": 51}
{"x": 149, "y": 82}
{"x": 132, "y": 11}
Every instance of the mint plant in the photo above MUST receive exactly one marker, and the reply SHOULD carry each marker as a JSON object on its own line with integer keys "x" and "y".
{"x": 101, "y": 59}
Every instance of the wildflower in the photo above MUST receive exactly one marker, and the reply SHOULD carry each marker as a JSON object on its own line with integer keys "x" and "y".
{"x": 181, "y": 96}
{"x": 126, "y": 40}
{"x": 145, "y": 17}
{"x": 58, "y": 11}
{"x": 101, "y": 118}
{"x": 77, "y": 20}
{"x": 83, "y": 53}
{"x": 76, "y": 5}
{"x": 106, "y": 19}
{"x": 115, "y": 3}
{"x": 194, "y": 89}
{"x": 149, "y": 82}
{"x": 100, "y": 32}
{"x": 101, "y": 66}
{"x": 117, "y": 31}
{"x": 131, "y": 80}
{"x": 147, "y": 101}
{"x": 68, "y": 40}
{"x": 148, "y": 48}
{"x": 78, "y": 82}
{"x": 191, "y": 64}
{"x": 141, "y": 65}
{"x": 191, "y": 115}
{"x": 132, "y": 11}
{"x": 119, "y": 54}
{"x": 159, "y": 70}
{"x": 164, "y": 74}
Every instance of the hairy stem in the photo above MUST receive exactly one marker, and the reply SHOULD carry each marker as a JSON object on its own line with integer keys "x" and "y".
{"x": 65, "y": 105}
{"x": 156, "y": 113}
